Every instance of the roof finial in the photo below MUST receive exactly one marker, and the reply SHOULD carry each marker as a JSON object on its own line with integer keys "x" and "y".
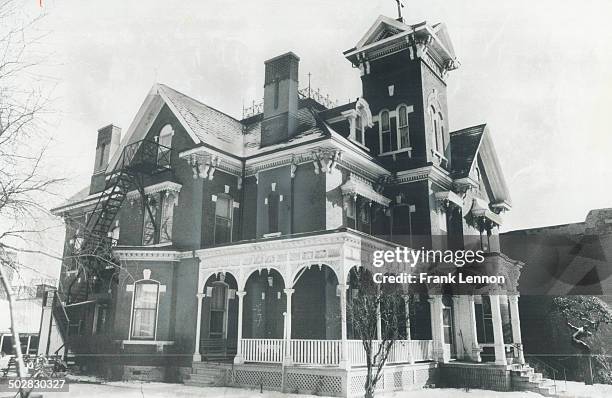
{"x": 400, "y": 5}
{"x": 309, "y": 74}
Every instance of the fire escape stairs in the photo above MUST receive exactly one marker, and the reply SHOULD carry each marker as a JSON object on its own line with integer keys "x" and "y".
{"x": 137, "y": 160}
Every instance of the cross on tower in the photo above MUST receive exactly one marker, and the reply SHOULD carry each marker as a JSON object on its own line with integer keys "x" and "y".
{"x": 400, "y": 5}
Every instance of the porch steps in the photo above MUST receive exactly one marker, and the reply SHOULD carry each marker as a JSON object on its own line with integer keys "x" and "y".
{"x": 205, "y": 374}
{"x": 526, "y": 378}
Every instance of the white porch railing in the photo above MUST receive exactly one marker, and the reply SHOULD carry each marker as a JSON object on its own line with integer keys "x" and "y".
{"x": 329, "y": 352}
{"x": 316, "y": 352}
{"x": 422, "y": 350}
{"x": 263, "y": 350}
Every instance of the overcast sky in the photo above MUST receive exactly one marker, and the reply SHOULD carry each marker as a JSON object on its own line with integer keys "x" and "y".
{"x": 538, "y": 72}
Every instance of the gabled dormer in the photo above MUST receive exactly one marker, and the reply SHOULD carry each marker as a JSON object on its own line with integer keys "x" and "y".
{"x": 403, "y": 73}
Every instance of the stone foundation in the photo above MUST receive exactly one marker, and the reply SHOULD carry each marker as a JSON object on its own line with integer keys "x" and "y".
{"x": 477, "y": 375}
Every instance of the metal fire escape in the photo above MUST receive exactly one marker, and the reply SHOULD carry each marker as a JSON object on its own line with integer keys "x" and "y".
{"x": 93, "y": 257}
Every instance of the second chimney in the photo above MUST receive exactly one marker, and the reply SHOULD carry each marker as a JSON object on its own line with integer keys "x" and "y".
{"x": 109, "y": 138}
{"x": 280, "y": 99}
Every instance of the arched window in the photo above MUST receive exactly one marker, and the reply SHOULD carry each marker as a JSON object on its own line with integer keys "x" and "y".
{"x": 223, "y": 219}
{"x": 165, "y": 145}
{"x": 385, "y": 132}
{"x": 144, "y": 309}
{"x": 359, "y": 135}
{"x": 402, "y": 127}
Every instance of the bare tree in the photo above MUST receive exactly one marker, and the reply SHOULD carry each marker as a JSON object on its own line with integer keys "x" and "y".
{"x": 584, "y": 316}
{"x": 23, "y": 185}
{"x": 375, "y": 306}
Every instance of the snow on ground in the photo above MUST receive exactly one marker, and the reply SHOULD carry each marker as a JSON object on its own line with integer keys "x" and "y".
{"x": 158, "y": 390}
{"x": 581, "y": 390}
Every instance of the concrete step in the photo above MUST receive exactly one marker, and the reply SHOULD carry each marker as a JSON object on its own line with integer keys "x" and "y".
{"x": 197, "y": 384}
{"x": 211, "y": 372}
{"x": 205, "y": 380}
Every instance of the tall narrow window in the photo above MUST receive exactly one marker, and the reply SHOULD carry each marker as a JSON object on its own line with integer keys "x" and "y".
{"x": 359, "y": 136}
{"x": 273, "y": 209}
{"x": 385, "y": 132}
{"x": 167, "y": 216}
{"x": 150, "y": 225}
{"x": 165, "y": 145}
{"x": 484, "y": 319}
{"x": 402, "y": 127}
{"x": 218, "y": 308}
{"x": 144, "y": 316}
{"x": 223, "y": 220}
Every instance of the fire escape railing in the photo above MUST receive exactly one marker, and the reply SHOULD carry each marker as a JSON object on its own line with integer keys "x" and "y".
{"x": 94, "y": 255}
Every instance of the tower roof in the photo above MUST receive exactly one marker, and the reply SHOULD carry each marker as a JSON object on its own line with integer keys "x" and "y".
{"x": 387, "y": 36}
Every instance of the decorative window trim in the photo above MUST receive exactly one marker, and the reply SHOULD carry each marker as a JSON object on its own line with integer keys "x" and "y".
{"x": 394, "y": 114}
{"x": 133, "y": 291}
{"x": 155, "y": 188}
{"x": 409, "y": 110}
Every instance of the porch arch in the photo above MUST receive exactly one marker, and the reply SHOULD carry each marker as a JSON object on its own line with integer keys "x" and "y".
{"x": 316, "y": 304}
{"x": 264, "y": 305}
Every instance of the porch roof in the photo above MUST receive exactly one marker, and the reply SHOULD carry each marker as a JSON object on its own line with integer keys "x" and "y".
{"x": 340, "y": 249}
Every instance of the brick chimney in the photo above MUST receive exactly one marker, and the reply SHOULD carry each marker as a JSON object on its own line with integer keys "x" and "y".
{"x": 109, "y": 138}
{"x": 280, "y": 99}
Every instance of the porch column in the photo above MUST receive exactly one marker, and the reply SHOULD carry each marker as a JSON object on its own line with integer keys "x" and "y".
{"x": 408, "y": 337}
{"x": 437, "y": 328}
{"x": 473, "y": 331}
{"x": 238, "y": 359}
{"x": 516, "y": 326}
{"x": 287, "y": 335}
{"x": 197, "y": 357}
{"x": 344, "y": 356}
{"x": 498, "y": 331}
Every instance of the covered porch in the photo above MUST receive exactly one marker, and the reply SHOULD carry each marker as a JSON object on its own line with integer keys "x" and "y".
{"x": 285, "y": 302}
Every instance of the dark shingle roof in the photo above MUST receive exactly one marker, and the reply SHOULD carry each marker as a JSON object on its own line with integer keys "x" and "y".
{"x": 464, "y": 147}
{"x": 210, "y": 125}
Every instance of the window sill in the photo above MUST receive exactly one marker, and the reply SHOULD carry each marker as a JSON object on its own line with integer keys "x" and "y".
{"x": 159, "y": 244}
{"x": 394, "y": 153}
{"x": 160, "y": 344}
